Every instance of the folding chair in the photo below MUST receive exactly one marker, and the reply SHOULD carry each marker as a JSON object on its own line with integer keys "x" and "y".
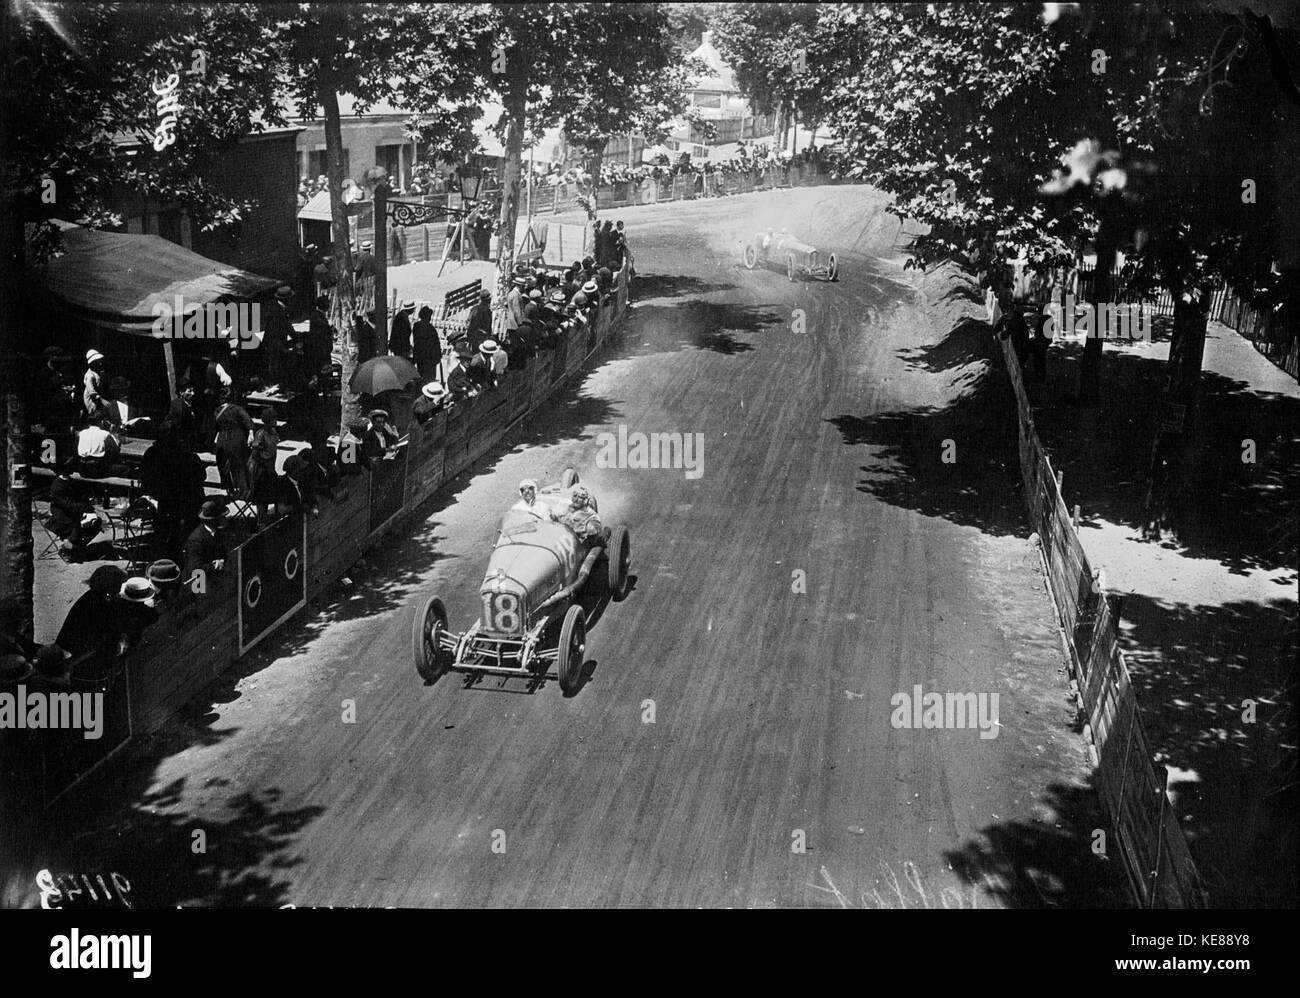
{"x": 54, "y": 541}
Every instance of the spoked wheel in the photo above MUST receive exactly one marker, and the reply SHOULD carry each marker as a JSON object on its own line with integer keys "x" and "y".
{"x": 431, "y": 661}
{"x": 618, "y": 554}
{"x": 572, "y": 650}
{"x": 568, "y": 479}
{"x": 749, "y": 256}
{"x": 834, "y": 269}
{"x": 790, "y": 271}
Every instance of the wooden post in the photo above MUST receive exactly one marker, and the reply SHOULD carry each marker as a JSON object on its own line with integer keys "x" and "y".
{"x": 170, "y": 359}
{"x": 381, "y": 268}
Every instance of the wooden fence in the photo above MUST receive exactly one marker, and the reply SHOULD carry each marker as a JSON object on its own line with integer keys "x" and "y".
{"x": 1145, "y": 831}
{"x": 1274, "y": 335}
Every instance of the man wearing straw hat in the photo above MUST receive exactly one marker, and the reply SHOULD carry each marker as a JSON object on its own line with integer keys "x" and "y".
{"x": 432, "y": 400}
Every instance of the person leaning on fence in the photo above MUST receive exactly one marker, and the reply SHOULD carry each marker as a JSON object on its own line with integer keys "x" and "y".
{"x": 379, "y": 438}
{"x": 291, "y": 492}
{"x": 433, "y": 400}
{"x": 92, "y": 624}
{"x": 205, "y": 548}
{"x": 460, "y": 384}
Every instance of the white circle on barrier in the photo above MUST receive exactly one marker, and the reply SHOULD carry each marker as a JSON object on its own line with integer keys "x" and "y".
{"x": 291, "y": 564}
{"x": 253, "y": 591}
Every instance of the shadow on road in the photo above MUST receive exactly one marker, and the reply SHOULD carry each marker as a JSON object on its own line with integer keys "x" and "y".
{"x": 1037, "y": 864}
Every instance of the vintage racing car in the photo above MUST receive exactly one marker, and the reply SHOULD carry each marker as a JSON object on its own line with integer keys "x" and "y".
{"x": 541, "y": 584}
{"x": 780, "y": 249}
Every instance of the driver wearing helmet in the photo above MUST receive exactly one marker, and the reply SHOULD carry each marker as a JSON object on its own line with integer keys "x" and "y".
{"x": 767, "y": 237}
{"x": 528, "y": 502}
{"x": 582, "y": 519}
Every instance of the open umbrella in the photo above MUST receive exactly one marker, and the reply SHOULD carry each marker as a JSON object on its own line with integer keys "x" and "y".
{"x": 383, "y": 374}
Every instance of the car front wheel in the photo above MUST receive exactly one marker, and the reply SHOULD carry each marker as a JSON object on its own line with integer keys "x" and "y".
{"x": 790, "y": 270}
{"x": 572, "y": 651}
{"x": 430, "y": 623}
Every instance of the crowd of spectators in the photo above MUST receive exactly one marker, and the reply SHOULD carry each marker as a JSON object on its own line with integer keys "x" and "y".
{"x": 192, "y": 529}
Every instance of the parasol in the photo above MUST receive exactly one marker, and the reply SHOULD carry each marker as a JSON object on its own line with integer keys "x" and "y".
{"x": 383, "y": 374}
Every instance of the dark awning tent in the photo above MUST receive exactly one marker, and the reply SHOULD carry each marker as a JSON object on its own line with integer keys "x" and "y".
{"x": 114, "y": 279}
{"x": 110, "y": 282}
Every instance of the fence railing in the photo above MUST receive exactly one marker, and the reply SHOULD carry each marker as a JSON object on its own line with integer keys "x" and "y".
{"x": 1274, "y": 335}
{"x": 1132, "y": 788}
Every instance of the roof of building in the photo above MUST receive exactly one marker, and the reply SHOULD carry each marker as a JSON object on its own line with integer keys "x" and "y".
{"x": 720, "y": 77}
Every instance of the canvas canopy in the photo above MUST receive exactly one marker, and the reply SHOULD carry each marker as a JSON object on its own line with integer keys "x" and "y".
{"x": 114, "y": 279}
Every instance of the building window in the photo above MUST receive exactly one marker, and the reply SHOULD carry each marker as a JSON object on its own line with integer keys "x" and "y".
{"x": 701, "y": 99}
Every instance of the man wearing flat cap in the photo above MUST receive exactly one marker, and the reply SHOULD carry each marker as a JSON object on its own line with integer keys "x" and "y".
{"x": 378, "y": 438}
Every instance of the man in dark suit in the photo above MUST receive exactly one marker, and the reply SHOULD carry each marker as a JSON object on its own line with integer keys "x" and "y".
{"x": 365, "y": 266}
{"x": 93, "y": 624}
{"x": 291, "y": 492}
{"x": 480, "y": 320}
{"x": 206, "y": 549}
{"x": 277, "y": 336}
{"x": 175, "y": 478}
{"x": 181, "y": 416}
{"x": 399, "y": 335}
{"x": 320, "y": 336}
{"x": 426, "y": 348}
{"x": 378, "y": 438}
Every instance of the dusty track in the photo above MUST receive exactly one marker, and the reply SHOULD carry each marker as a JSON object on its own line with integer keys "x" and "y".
{"x": 772, "y": 708}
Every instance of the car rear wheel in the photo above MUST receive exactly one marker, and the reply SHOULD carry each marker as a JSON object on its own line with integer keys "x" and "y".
{"x": 833, "y": 269}
{"x": 572, "y": 651}
{"x": 568, "y": 479}
{"x": 750, "y": 256}
{"x": 790, "y": 271}
{"x": 618, "y": 554}
{"x": 430, "y": 622}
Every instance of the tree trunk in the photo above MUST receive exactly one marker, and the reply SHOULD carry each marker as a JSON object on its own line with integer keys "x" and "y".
{"x": 1107, "y": 245}
{"x": 1171, "y": 478}
{"x": 778, "y": 129}
{"x": 344, "y": 292}
{"x": 517, "y": 109}
{"x": 17, "y": 569}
